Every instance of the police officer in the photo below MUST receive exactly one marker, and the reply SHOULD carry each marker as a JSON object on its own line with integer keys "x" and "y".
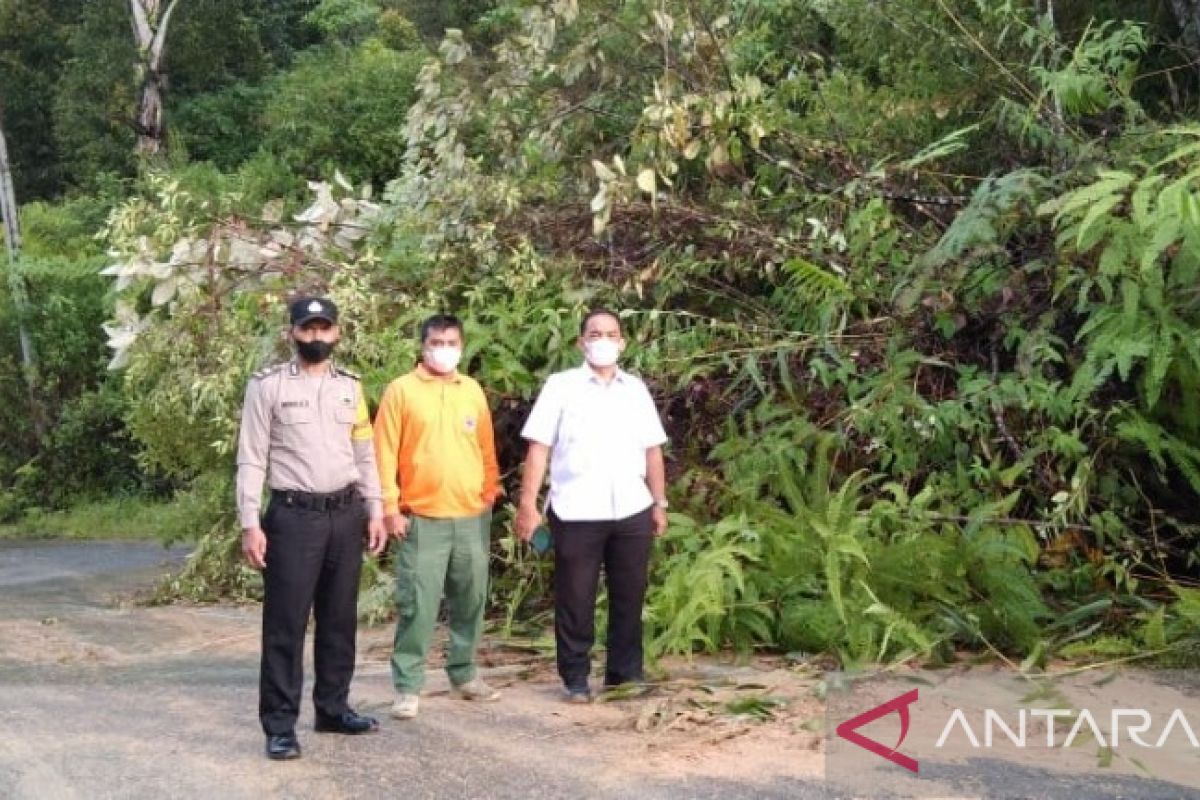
{"x": 306, "y": 431}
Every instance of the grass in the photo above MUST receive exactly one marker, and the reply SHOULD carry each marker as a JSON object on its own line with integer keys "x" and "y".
{"x": 115, "y": 518}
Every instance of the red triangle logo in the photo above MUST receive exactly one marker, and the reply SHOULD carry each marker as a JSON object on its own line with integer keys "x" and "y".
{"x": 848, "y": 730}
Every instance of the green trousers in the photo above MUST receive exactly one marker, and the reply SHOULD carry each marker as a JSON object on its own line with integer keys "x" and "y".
{"x": 440, "y": 556}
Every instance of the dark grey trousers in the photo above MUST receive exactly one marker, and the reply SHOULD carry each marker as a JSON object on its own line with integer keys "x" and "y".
{"x": 314, "y": 559}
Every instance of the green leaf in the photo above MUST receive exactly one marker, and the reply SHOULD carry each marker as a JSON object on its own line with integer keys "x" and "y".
{"x": 948, "y": 145}
{"x": 1154, "y": 631}
{"x": 1131, "y": 295}
{"x": 1165, "y": 233}
{"x": 833, "y": 582}
{"x": 1178, "y": 155}
{"x": 1116, "y": 255}
{"x": 1125, "y": 351}
{"x": 1110, "y": 183}
{"x": 1090, "y": 230}
{"x": 849, "y": 546}
{"x": 1139, "y": 202}
{"x": 1161, "y": 356}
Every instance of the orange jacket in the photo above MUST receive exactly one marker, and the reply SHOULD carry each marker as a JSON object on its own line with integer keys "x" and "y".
{"x": 435, "y": 446}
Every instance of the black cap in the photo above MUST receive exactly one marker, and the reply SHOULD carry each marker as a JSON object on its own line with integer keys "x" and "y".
{"x": 306, "y": 309}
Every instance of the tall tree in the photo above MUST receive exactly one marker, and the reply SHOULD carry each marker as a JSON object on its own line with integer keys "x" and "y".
{"x": 12, "y": 242}
{"x": 150, "y": 34}
{"x": 32, "y": 50}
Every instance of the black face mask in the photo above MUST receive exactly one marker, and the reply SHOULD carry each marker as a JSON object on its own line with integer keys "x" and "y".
{"x": 314, "y": 352}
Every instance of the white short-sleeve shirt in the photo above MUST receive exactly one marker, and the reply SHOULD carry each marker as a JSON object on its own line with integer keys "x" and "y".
{"x": 598, "y": 435}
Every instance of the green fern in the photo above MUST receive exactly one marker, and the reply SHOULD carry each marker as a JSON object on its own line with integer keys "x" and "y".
{"x": 698, "y": 588}
{"x": 1100, "y": 648}
{"x": 1099, "y": 72}
{"x": 377, "y": 599}
{"x": 1009, "y": 607}
{"x": 997, "y": 208}
{"x": 1161, "y": 447}
{"x": 811, "y": 298}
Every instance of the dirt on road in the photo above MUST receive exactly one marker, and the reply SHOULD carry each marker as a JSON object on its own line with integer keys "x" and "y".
{"x": 106, "y": 698}
{"x": 110, "y": 698}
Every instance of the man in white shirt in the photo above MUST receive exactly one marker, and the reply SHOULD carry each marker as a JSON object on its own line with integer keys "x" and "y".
{"x": 598, "y": 428}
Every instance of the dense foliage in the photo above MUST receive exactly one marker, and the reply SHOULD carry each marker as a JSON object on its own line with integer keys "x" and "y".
{"x": 913, "y": 285}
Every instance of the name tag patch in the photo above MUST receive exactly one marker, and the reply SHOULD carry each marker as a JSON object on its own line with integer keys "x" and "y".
{"x": 294, "y": 404}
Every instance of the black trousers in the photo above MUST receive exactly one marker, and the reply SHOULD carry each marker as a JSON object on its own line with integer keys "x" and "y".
{"x": 314, "y": 559}
{"x": 580, "y": 548}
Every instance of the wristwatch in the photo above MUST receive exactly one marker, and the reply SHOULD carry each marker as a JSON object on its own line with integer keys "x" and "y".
{"x": 661, "y": 503}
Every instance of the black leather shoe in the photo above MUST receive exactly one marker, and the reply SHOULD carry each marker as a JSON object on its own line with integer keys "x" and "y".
{"x": 283, "y": 746}
{"x": 347, "y": 722}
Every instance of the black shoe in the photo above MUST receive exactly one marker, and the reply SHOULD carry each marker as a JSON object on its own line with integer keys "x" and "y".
{"x": 347, "y": 722}
{"x": 281, "y": 747}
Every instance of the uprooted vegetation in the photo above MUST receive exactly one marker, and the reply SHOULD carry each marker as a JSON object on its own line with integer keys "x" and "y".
{"x": 919, "y": 311}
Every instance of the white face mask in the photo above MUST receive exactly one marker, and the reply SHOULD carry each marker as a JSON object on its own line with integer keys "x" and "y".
{"x": 443, "y": 359}
{"x": 602, "y": 352}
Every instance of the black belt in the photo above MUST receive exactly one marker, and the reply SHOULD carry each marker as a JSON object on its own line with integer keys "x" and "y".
{"x": 316, "y": 501}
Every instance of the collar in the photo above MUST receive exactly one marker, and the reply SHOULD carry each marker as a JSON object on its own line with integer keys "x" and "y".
{"x": 424, "y": 374}
{"x": 295, "y": 371}
{"x": 591, "y": 376}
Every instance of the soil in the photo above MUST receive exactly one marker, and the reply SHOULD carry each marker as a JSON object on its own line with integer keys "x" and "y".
{"x": 116, "y": 699}
{"x": 107, "y": 698}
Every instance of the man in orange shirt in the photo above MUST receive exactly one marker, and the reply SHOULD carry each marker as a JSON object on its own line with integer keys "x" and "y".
{"x": 437, "y": 466}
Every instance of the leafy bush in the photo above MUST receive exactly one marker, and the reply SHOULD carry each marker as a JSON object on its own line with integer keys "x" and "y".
{"x": 85, "y": 451}
{"x": 345, "y": 21}
{"x": 918, "y": 310}
{"x": 342, "y": 108}
{"x": 224, "y": 127}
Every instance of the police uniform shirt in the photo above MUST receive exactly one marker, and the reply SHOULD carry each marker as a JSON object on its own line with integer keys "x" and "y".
{"x": 598, "y": 434}
{"x": 304, "y": 432}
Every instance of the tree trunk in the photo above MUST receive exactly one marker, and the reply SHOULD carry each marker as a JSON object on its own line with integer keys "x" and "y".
{"x": 16, "y": 286}
{"x": 150, "y": 132}
{"x": 150, "y": 35}
{"x": 1187, "y": 14}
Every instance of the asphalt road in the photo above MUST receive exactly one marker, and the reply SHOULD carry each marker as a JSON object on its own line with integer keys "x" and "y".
{"x": 106, "y": 699}
{"x": 103, "y": 698}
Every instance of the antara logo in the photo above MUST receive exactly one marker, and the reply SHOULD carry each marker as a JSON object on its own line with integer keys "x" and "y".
{"x": 848, "y": 730}
{"x": 1177, "y": 731}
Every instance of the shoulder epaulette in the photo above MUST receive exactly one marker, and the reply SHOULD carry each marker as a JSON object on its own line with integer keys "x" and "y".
{"x": 267, "y": 371}
{"x": 343, "y": 371}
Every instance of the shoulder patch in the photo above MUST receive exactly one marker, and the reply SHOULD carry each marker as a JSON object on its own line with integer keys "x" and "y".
{"x": 267, "y": 371}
